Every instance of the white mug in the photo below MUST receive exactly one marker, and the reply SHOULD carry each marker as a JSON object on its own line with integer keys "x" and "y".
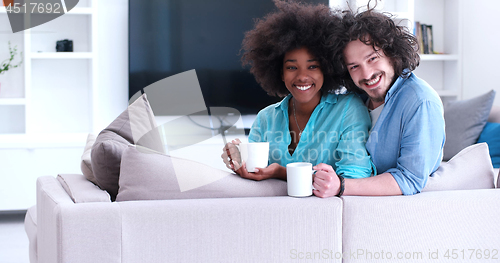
{"x": 254, "y": 155}
{"x": 299, "y": 177}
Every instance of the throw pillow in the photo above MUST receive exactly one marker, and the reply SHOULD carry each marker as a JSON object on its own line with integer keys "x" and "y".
{"x": 494, "y": 114}
{"x": 464, "y": 121}
{"x": 128, "y": 128}
{"x": 498, "y": 179}
{"x": 491, "y": 136}
{"x": 86, "y": 164}
{"x": 153, "y": 176}
{"x": 469, "y": 169}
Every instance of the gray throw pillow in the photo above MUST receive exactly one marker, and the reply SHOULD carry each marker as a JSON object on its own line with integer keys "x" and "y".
{"x": 464, "y": 122}
{"x": 471, "y": 168}
{"x": 146, "y": 175}
{"x": 136, "y": 121}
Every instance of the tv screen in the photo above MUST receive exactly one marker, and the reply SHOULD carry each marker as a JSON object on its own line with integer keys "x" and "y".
{"x": 167, "y": 37}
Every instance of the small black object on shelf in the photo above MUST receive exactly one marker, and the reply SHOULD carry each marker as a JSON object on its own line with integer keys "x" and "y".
{"x": 65, "y": 45}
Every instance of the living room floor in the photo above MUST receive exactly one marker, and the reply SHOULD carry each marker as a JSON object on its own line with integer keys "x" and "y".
{"x": 13, "y": 240}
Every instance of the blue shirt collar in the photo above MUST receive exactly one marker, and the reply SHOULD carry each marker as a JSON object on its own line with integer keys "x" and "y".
{"x": 398, "y": 84}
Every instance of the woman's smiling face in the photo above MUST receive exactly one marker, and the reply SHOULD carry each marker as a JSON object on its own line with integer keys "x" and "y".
{"x": 302, "y": 75}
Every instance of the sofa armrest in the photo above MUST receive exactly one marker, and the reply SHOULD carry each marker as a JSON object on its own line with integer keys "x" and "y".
{"x": 416, "y": 227}
{"x": 253, "y": 229}
{"x": 82, "y": 190}
{"x": 75, "y": 232}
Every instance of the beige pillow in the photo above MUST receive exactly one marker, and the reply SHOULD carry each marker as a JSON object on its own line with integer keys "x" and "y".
{"x": 128, "y": 128}
{"x": 471, "y": 168}
{"x": 494, "y": 114}
{"x": 86, "y": 164}
{"x": 498, "y": 179}
{"x": 145, "y": 175}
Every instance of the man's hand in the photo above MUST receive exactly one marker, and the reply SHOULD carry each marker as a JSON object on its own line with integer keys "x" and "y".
{"x": 326, "y": 182}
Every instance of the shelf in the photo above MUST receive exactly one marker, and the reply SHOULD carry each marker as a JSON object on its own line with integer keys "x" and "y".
{"x": 438, "y": 57}
{"x": 52, "y": 140}
{"x": 62, "y": 55}
{"x": 12, "y": 101}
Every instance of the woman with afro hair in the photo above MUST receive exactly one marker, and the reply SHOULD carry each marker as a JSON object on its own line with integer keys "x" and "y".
{"x": 288, "y": 53}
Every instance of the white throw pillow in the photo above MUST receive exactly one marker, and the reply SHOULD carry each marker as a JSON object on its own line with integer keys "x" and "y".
{"x": 471, "y": 168}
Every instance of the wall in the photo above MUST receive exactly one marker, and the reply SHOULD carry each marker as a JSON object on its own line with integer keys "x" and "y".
{"x": 112, "y": 95}
{"x": 479, "y": 44}
{"x": 480, "y": 48}
{"x": 22, "y": 166}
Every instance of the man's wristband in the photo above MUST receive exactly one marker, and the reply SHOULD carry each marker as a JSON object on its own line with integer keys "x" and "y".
{"x": 342, "y": 186}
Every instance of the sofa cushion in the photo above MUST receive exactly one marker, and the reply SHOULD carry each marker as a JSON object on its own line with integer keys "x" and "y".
{"x": 470, "y": 169}
{"x": 464, "y": 121}
{"x": 86, "y": 164}
{"x": 491, "y": 136}
{"x": 146, "y": 175}
{"x": 422, "y": 227}
{"x": 128, "y": 128}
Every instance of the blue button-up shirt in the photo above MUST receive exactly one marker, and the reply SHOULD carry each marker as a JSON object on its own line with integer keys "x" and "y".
{"x": 408, "y": 138}
{"x": 335, "y": 134}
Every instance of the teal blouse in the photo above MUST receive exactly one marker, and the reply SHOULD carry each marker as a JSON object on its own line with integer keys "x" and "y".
{"x": 335, "y": 134}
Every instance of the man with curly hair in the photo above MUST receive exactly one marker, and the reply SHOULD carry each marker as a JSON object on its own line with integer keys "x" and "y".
{"x": 289, "y": 52}
{"x": 407, "y": 135}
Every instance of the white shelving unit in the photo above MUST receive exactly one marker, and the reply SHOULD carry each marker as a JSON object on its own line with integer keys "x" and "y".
{"x": 61, "y": 55}
{"x": 48, "y": 74}
{"x": 47, "y": 106}
{"x": 442, "y": 71}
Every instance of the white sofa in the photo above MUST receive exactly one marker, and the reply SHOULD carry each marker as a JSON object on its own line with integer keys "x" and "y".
{"x": 81, "y": 224}
{"x": 75, "y": 221}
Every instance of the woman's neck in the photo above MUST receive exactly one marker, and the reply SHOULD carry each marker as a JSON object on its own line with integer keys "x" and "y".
{"x": 305, "y": 109}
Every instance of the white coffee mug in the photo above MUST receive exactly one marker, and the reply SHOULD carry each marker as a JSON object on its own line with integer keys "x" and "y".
{"x": 299, "y": 177}
{"x": 254, "y": 154}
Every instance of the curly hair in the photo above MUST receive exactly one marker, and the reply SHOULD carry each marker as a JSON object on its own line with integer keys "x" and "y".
{"x": 378, "y": 30}
{"x": 294, "y": 25}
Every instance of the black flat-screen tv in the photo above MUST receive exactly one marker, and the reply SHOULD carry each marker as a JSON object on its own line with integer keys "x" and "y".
{"x": 167, "y": 37}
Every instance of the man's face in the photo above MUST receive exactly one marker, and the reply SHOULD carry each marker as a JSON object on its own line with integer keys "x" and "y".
{"x": 370, "y": 69}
